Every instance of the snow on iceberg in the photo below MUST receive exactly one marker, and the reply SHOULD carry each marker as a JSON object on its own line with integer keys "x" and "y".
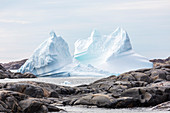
{"x": 51, "y": 55}
{"x": 111, "y": 53}
{"x": 52, "y": 58}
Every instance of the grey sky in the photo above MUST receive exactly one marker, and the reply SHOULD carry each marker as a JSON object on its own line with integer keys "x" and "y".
{"x": 24, "y": 24}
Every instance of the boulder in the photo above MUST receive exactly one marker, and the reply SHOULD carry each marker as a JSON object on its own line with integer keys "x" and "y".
{"x": 28, "y": 89}
{"x": 158, "y": 74}
{"x": 142, "y": 77}
{"x": 168, "y": 77}
{"x": 125, "y": 77}
{"x": 125, "y": 102}
{"x": 15, "y": 102}
{"x": 9, "y": 101}
{"x": 33, "y": 105}
{"x": 98, "y": 100}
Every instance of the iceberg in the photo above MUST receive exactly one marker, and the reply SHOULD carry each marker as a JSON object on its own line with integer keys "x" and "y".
{"x": 78, "y": 69}
{"x": 51, "y": 55}
{"x": 53, "y": 59}
{"x": 112, "y": 53}
{"x": 95, "y": 56}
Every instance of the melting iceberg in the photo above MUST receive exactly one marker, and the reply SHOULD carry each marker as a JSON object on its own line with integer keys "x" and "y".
{"x": 52, "y": 58}
{"x": 111, "y": 53}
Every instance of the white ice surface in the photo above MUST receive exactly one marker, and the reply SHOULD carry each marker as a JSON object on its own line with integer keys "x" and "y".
{"x": 52, "y": 54}
{"x": 111, "y": 53}
{"x": 52, "y": 58}
{"x": 95, "y": 56}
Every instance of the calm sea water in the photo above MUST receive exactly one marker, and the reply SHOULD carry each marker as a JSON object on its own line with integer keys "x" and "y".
{"x": 67, "y": 81}
{"x": 74, "y": 81}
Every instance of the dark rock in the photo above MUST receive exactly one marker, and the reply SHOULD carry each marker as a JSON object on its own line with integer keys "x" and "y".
{"x": 34, "y": 91}
{"x": 25, "y": 75}
{"x": 161, "y": 62}
{"x": 8, "y": 74}
{"x": 158, "y": 74}
{"x": 14, "y": 65}
{"x": 29, "y": 75}
{"x": 98, "y": 99}
{"x": 28, "y": 89}
{"x": 2, "y": 68}
{"x": 139, "y": 88}
{"x": 53, "y": 109}
{"x": 54, "y": 94}
{"x": 168, "y": 77}
{"x": 142, "y": 77}
{"x": 15, "y": 102}
{"x": 125, "y": 77}
{"x": 9, "y": 101}
{"x": 132, "y": 92}
{"x": 33, "y": 105}
{"x": 125, "y": 102}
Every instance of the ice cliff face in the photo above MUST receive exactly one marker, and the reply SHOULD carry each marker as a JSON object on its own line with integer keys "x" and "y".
{"x": 112, "y": 53}
{"x": 51, "y": 55}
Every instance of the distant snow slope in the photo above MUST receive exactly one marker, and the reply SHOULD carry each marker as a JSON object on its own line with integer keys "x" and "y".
{"x": 112, "y": 53}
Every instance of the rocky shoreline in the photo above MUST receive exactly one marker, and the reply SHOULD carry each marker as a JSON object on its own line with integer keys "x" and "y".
{"x": 4, "y": 73}
{"x": 140, "y": 88}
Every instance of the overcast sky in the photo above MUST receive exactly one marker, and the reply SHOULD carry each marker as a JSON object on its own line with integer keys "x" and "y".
{"x": 24, "y": 24}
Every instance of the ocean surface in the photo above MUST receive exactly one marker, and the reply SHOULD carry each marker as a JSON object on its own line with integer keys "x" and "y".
{"x": 67, "y": 81}
{"x": 74, "y": 81}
